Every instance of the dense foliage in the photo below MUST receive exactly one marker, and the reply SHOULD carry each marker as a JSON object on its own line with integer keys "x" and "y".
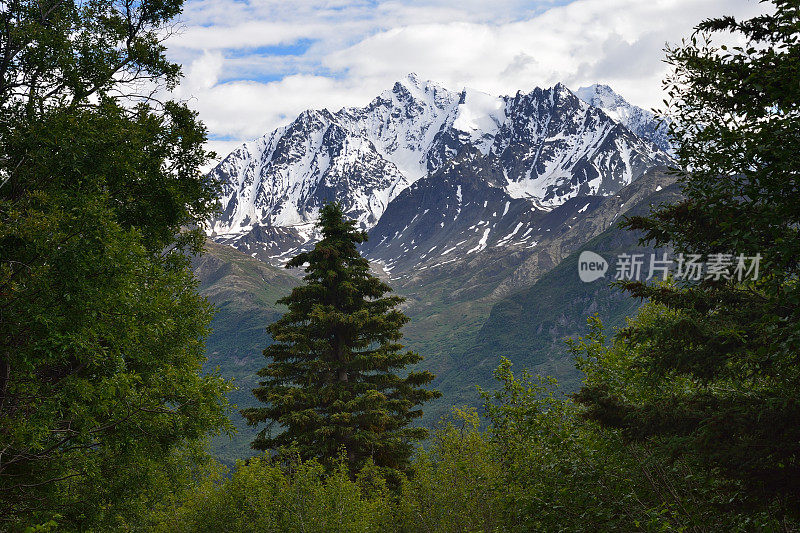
{"x": 538, "y": 466}
{"x": 102, "y": 406}
{"x": 333, "y": 381}
{"x": 715, "y": 378}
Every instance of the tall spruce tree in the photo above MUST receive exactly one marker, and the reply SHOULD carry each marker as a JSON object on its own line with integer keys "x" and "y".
{"x": 717, "y": 374}
{"x": 334, "y": 379}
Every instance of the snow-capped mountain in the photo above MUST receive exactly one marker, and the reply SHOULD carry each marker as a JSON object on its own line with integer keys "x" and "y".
{"x": 362, "y": 157}
{"x": 640, "y": 121}
{"x": 541, "y": 149}
{"x": 553, "y": 146}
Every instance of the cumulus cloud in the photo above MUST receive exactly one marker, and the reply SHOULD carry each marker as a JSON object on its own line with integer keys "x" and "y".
{"x": 251, "y": 66}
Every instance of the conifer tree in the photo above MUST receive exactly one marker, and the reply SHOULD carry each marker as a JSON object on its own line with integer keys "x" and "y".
{"x": 720, "y": 380}
{"x": 336, "y": 379}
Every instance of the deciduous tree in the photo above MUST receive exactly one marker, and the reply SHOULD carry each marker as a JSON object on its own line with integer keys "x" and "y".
{"x": 101, "y": 326}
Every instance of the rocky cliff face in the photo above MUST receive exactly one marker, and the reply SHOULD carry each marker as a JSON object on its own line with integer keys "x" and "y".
{"x": 421, "y": 166}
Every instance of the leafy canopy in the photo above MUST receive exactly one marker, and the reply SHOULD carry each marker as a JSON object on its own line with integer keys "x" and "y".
{"x": 710, "y": 372}
{"x": 102, "y": 405}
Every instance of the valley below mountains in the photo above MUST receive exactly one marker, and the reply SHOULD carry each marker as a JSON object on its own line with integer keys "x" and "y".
{"x": 476, "y": 208}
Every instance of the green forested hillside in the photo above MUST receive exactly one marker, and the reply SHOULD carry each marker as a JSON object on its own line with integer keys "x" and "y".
{"x": 529, "y": 327}
{"x": 244, "y": 292}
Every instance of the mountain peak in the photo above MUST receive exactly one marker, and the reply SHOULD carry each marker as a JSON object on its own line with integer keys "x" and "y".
{"x": 601, "y": 96}
{"x": 560, "y": 88}
{"x": 563, "y": 94}
{"x": 366, "y": 156}
{"x": 640, "y": 121}
{"x": 411, "y": 88}
{"x": 412, "y": 79}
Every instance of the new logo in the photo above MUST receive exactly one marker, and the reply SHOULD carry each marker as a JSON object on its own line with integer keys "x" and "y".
{"x": 591, "y": 266}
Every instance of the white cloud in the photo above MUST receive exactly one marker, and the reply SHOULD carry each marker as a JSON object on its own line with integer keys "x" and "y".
{"x": 244, "y": 110}
{"x": 244, "y": 35}
{"x": 358, "y": 49}
{"x": 204, "y": 71}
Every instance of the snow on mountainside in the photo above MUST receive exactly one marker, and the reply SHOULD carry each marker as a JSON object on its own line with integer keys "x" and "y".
{"x": 361, "y": 156}
{"x": 640, "y": 121}
{"x": 545, "y": 147}
{"x": 457, "y": 212}
{"x": 553, "y": 147}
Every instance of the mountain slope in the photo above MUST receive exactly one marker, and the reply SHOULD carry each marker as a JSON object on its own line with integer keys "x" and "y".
{"x": 449, "y": 303}
{"x": 244, "y": 292}
{"x": 530, "y": 326}
{"x": 458, "y": 210}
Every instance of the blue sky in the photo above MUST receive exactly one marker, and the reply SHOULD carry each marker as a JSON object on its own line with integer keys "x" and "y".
{"x": 252, "y": 65}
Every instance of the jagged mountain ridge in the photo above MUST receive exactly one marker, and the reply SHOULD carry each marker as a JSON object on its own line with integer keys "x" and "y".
{"x": 544, "y": 147}
{"x": 640, "y": 121}
{"x": 362, "y": 156}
